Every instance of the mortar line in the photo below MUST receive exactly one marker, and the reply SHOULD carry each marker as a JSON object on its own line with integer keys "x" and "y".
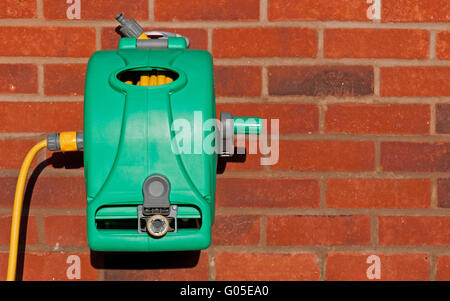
{"x": 316, "y": 61}
{"x": 40, "y": 79}
{"x": 433, "y": 119}
{"x": 229, "y": 24}
{"x": 377, "y": 155}
{"x": 256, "y": 61}
{"x": 424, "y": 212}
{"x": 366, "y": 137}
{"x": 374, "y": 231}
{"x": 316, "y": 249}
{"x": 434, "y": 194}
{"x": 432, "y": 49}
{"x": 298, "y": 249}
{"x": 322, "y": 108}
{"x": 40, "y": 225}
{"x": 98, "y": 38}
{"x": 263, "y": 231}
{"x": 38, "y": 248}
{"x": 210, "y": 41}
{"x": 101, "y": 275}
{"x": 369, "y": 99}
{"x": 40, "y": 10}
{"x": 212, "y": 263}
{"x": 322, "y": 255}
{"x": 263, "y": 11}
{"x": 433, "y": 267}
{"x": 273, "y": 99}
{"x": 264, "y": 82}
{"x": 235, "y": 211}
{"x": 323, "y": 192}
{"x": 320, "y": 41}
{"x": 151, "y": 10}
{"x": 376, "y": 81}
{"x": 387, "y": 175}
{"x": 268, "y": 174}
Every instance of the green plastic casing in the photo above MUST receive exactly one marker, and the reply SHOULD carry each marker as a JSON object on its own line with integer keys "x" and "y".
{"x": 127, "y": 138}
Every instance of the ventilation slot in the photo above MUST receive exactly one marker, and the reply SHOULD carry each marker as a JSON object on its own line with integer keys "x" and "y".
{"x": 125, "y": 218}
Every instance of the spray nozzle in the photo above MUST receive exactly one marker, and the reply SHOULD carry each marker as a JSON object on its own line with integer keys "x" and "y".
{"x": 130, "y": 28}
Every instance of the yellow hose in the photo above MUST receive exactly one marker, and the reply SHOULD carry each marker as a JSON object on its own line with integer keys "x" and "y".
{"x": 17, "y": 209}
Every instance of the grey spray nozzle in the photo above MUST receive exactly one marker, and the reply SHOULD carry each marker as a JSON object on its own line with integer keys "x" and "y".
{"x": 129, "y": 28}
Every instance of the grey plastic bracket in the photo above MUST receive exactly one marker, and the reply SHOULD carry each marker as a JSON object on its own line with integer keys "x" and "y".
{"x": 172, "y": 215}
{"x": 164, "y": 35}
{"x": 156, "y": 190}
{"x": 226, "y": 141}
{"x": 152, "y": 44}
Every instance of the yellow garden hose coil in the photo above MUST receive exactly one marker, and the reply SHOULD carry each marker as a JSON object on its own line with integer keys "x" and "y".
{"x": 65, "y": 141}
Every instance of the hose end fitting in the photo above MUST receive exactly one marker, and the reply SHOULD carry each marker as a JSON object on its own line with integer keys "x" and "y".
{"x": 53, "y": 142}
{"x": 65, "y": 141}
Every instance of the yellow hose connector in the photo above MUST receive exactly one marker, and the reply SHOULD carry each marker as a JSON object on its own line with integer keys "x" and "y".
{"x": 65, "y": 141}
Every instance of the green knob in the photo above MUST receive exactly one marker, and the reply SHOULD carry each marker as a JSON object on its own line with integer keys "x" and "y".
{"x": 248, "y": 125}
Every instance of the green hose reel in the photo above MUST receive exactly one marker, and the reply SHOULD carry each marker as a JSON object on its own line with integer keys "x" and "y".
{"x": 145, "y": 192}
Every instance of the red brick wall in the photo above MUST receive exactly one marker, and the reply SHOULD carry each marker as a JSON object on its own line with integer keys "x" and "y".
{"x": 364, "y": 110}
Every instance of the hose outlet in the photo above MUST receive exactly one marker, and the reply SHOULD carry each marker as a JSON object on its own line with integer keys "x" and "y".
{"x": 157, "y": 225}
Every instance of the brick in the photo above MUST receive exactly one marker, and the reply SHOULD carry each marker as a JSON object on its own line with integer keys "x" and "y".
{"x": 443, "y": 268}
{"x": 47, "y": 41}
{"x": 18, "y": 9}
{"x": 237, "y": 81}
{"x": 41, "y": 116}
{"x": 344, "y": 266}
{"x": 414, "y": 230}
{"x": 287, "y": 114}
{"x": 64, "y": 79}
{"x": 443, "y": 118}
{"x": 254, "y": 42}
{"x": 325, "y": 155}
{"x": 18, "y": 78}
{"x": 236, "y": 230}
{"x": 322, "y": 10}
{"x": 443, "y": 45}
{"x": 376, "y": 43}
{"x": 65, "y": 231}
{"x": 412, "y": 156}
{"x": 378, "y": 119}
{"x": 167, "y": 266}
{"x": 98, "y": 9}
{"x": 266, "y": 267}
{"x": 415, "y": 81}
{"x": 48, "y": 192}
{"x": 31, "y": 233}
{"x": 206, "y": 10}
{"x": 415, "y": 11}
{"x": 12, "y": 152}
{"x": 378, "y": 193}
{"x": 444, "y": 193}
{"x": 48, "y": 266}
{"x": 267, "y": 193}
{"x": 318, "y": 230}
{"x": 321, "y": 80}
{"x": 198, "y": 37}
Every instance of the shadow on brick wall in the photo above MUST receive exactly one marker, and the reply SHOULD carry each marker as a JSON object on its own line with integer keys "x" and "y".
{"x": 240, "y": 155}
{"x": 70, "y": 160}
{"x": 99, "y": 260}
{"x": 144, "y": 260}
